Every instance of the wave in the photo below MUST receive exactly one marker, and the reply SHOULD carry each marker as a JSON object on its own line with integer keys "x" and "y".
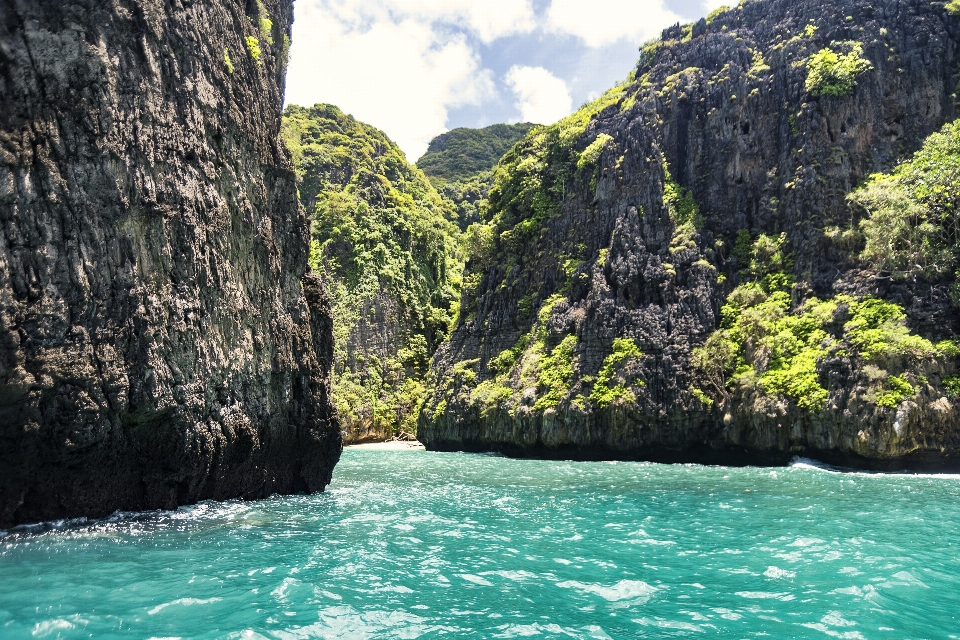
{"x": 799, "y": 462}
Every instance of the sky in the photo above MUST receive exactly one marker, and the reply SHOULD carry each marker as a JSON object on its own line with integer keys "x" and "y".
{"x": 417, "y": 68}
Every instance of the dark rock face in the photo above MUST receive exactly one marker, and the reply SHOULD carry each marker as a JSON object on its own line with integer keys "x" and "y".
{"x": 159, "y": 342}
{"x": 725, "y": 107}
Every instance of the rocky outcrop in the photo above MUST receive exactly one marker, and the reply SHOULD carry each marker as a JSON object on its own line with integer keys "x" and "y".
{"x": 159, "y": 341}
{"x": 622, "y": 222}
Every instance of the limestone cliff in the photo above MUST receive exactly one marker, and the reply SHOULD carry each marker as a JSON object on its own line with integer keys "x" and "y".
{"x": 383, "y": 239}
{"x": 159, "y": 341}
{"x": 720, "y": 168}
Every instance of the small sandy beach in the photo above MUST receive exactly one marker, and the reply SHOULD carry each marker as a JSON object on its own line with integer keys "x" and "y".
{"x": 390, "y": 445}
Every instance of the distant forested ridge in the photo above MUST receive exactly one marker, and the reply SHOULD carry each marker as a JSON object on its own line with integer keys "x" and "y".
{"x": 383, "y": 239}
{"x": 460, "y": 164}
{"x": 462, "y": 153}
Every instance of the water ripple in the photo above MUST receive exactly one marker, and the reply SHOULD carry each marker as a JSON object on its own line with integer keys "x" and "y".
{"x": 418, "y": 544}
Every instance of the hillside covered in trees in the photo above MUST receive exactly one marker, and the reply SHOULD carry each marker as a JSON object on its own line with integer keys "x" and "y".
{"x": 383, "y": 240}
{"x": 460, "y": 164}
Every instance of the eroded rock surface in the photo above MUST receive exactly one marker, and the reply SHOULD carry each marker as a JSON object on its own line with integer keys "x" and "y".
{"x": 159, "y": 341}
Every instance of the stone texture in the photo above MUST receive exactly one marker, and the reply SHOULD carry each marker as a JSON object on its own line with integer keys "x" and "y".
{"x": 159, "y": 342}
{"x": 725, "y": 106}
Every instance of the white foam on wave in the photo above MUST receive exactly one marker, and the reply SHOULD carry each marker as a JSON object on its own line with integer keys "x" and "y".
{"x": 635, "y": 590}
{"x": 828, "y": 624}
{"x": 515, "y": 576}
{"x": 765, "y": 595}
{"x": 347, "y": 622}
{"x": 48, "y": 627}
{"x": 186, "y": 602}
{"x": 809, "y": 463}
{"x": 806, "y": 542}
{"x": 776, "y": 572}
{"x": 551, "y": 629}
{"x": 678, "y": 625}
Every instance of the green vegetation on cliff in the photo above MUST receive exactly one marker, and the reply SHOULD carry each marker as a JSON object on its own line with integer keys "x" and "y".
{"x": 460, "y": 164}
{"x": 830, "y": 73}
{"x": 529, "y": 183}
{"x": 530, "y": 180}
{"x": 769, "y": 345}
{"x": 390, "y": 256}
{"x": 913, "y": 223}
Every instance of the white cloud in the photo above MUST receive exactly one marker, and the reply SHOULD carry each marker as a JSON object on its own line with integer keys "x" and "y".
{"x": 542, "y": 98}
{"x": 401, "y": 76}
{"x": 603, "y": 22}
{"x": 489, "y": 19}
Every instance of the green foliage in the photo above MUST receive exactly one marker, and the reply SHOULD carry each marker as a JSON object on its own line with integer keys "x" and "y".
{"x": 227, "y": 63}
{"x": 895, "y": 391}
{"x": 479, "y": 242}
{"x": 763, "y": 343}
{"x": 759, "y": 64}
{"x": 835, "y": 74}
{"x": 716, "y": 12}
{"x": 952, "y": 386}
{"x": 700, "y": 395}
{"x": 554, "y": 374}
{"x": 460, "y": 154}
{"x": 266, "y": 24}
{"x": 878, "y": 330}
{"x": 468, "y": 196}
{"x": 743, "y": 247}
{"x": 591, "y": 154}
{"x": 383, "y": 242}
{"x": 792, "y": 121}
{"x": 766, "y": 344}
{"x": 769, "y": 262}
{"x": 949, "y": 348}
{"x": 913, "y": 227}
{"x": 612, "y": 383}
{"x": 253, "y": 48}
{"x": 809, "y": 31}
{"x": 683, "y": 212}
{"x": 504, "y": 361}
{"x": 953, "y": 7}
{"x": 679, "y": 200}
{"x": 465, "y": 371}
{"x": 285, "y": 52}
{"x": 460, "y": 165}
{"x": 648, "y": 51}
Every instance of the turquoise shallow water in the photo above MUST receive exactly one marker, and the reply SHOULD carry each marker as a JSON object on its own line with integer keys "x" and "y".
{"x": 413, "y": 544}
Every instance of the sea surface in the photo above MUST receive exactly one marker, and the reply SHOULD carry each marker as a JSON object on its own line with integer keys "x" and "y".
{"x": 408, "y": 544}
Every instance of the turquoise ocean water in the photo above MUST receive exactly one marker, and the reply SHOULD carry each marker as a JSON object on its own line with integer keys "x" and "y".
{"x": 413, "y": 544}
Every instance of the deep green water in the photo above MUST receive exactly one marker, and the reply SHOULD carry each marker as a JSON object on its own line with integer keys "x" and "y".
{"x": 413, "y": 544}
